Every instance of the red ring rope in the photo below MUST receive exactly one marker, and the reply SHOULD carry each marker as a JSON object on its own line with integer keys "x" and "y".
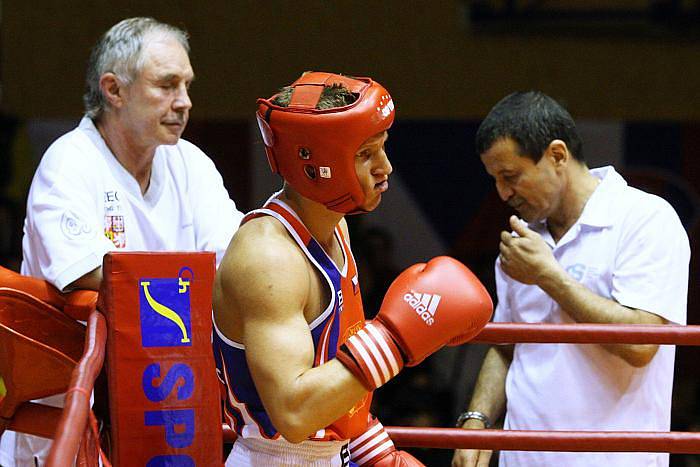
{"x": 75, "y": 416}
{"x": 577, "y": 441}
{"x": 580, "y": 333}
{"x": 580, "y": 441}
{"x": 513, "y": 440}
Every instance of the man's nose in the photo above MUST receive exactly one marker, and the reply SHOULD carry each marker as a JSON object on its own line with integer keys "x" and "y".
{"x": 504, "y": 191}
{"x": 182, "y": 99}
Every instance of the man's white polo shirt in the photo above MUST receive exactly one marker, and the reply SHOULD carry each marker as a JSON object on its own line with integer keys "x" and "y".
{"x": 83, "y": 203}
{"x": 628, "y": 246}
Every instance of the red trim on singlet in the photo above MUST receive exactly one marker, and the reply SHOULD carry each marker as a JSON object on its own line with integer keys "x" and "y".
{"x": 351, "y": 318}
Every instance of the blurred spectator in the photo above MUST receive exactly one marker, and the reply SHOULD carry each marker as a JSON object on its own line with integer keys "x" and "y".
{"x": 375, "y": 248}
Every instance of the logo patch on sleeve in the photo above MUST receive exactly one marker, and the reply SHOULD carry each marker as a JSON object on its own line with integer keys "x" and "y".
{"x": 75, "y": 227}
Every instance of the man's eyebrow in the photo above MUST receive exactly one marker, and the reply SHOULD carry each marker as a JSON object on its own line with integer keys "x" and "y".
{"x": 172, "y": 77}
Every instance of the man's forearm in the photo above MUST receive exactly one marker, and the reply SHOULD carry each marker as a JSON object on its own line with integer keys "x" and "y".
{"x": 489, "y": 395}
{"x": 90, "y": 281}
{"x": 585, "y": 306}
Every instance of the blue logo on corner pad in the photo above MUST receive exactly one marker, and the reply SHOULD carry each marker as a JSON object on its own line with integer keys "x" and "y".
{"x": 164, "y": 306}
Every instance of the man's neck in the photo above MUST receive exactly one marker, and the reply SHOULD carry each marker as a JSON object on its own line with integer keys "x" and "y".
{"x": 320, "y": 220}
{"x": 136, "y": 159}
{"x": 580, "y": 185}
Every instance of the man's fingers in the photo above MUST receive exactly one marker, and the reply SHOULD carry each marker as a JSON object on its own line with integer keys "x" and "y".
{"x": 506, "y": 237}
{"x": 466, "y": 458}
{"x": 519, "y": 227}
{"x": 484, "y": 458}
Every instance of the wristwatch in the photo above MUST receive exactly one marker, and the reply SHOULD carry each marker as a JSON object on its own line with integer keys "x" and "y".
{"x": 472, "y": 414}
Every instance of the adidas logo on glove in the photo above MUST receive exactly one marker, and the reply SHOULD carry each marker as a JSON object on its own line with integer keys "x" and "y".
{"x": 425, "y": 305}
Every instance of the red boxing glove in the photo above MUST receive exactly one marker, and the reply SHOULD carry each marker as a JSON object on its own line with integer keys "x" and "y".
{"x": 375, "y": 448}
{"x": 426, "y": 307}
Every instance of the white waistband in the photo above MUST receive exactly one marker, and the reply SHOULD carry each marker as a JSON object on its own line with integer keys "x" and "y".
{"x": 282, "y": 447}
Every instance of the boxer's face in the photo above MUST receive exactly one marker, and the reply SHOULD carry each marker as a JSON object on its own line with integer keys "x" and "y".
{"x": 157, "y": 103}
{"x": 373, "y": 168}
{"x": 532, "y": 189}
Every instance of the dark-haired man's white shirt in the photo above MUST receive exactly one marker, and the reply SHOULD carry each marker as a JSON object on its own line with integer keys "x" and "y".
{"x": 628, "y": 246}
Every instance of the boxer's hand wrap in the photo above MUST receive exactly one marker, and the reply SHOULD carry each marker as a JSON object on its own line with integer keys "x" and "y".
{"x": 371, "y": 355}
{"x": 375, "y": 448}
{"x": 371, "y": 445}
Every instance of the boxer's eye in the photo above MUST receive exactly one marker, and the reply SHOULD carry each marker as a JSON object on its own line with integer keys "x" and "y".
{"x": 366, "y": 154}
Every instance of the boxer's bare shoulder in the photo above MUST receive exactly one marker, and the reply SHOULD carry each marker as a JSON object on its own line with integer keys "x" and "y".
{"x": 262, "y": 276}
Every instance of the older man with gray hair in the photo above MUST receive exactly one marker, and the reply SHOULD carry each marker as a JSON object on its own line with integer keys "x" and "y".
{"x": 123, "y": 179}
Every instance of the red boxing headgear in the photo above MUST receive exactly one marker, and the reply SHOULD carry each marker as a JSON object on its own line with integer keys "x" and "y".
{"x": 314, "y": 150}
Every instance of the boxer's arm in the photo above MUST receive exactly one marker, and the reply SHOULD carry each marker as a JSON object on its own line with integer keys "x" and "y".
{"x": 269, "y": 287}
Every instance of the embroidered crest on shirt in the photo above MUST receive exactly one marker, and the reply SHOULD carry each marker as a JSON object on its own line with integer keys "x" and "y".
{"x": 114, "y": 219}
{"x": 114, "y": 230}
